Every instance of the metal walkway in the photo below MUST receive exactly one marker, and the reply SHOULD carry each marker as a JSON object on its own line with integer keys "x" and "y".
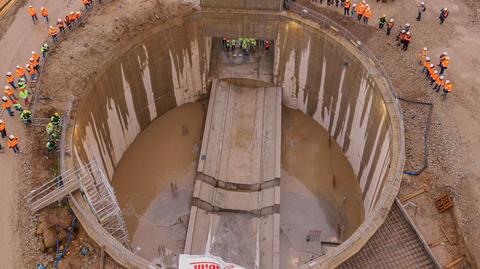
{"x": 396, "y": 244}
{"x": 97, "y": 191}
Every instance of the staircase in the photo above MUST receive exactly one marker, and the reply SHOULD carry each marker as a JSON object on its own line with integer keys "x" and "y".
{"x": 96, "y": 189}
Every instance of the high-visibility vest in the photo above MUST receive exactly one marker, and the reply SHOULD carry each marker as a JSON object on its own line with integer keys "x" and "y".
{"x": 368, "y": 13}
{"x": 347, "y": 4}
{"x": 448, "y": 87}
{"x": 12, "y": 142}
{"x": 360, "y": 9}
{"x": 444, "y": 62}
{"x": 10, "y": 79}
{"x": 32, "y": 11}
{"x": 7, "y": 104}
{"x": 53, "y": 31}
{"x": 434, "y": 76}
{"x": 8, "y": 92}
{"x": 20, "y": 72}
{"x": 23, "y": 94}
{"x": 44, "y": 12}
{"x": 2, "y": 126}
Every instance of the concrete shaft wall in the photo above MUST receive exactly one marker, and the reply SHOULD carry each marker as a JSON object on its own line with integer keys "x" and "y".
{"x": 244, "y": 4}
{"x": 322, "y": 75}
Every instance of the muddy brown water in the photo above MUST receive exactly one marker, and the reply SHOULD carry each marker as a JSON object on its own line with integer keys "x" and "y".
{"x": 154, "y": 183}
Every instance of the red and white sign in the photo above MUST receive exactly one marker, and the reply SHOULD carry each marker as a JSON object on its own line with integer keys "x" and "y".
{"x": 204, "y": 262}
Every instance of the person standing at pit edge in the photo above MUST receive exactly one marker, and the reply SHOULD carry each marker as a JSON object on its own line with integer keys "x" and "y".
{"x": 3, "y": 129}
{"x": 44, "y": 12}
{"x": 33, "y": 13}
{"x": 346, "y": 8}
{"x": 421, "y": 9}
{"x": 443, "y": 15}
{"x": 13, "y": 144}
{"x": 390, "y": 25}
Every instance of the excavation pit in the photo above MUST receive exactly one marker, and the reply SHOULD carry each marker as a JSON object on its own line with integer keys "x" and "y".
{"x": 331, "y": 157}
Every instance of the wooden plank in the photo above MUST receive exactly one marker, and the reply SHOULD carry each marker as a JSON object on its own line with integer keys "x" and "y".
{"x": 407, "y": 197}
{"x": 455, "y": 262}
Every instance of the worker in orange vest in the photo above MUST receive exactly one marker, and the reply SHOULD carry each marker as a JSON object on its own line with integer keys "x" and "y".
{"x": 433, "y": 77}
{"x": 36, "y": 56}
{"x": 34, "y": 64}
{"x": 78, "y": 14}
{"x": 53, "y": 32}
{"x": 88, "y": 4}
{"x": 3, "y": 129}
{"x": 430, "y": 70}
{"x": 44, "y": 12}
{"x": 11, "y": 80}
{"x": 13, "y": 144}
{"x": 33, "y": 13}
{"x": 10, "y": 93}
{"x": 346, "y": 8}
{"x": 7, "y": 106}
{"x": 439, "y": 83}
{"x": 444, "y": 62}
{"x": 20, "y": 72}
{"x": 447, "y": 88}
{"x": 61, "y": 25}
{"x": 426, "y": 64}
{"x": 31, "y": 71}
{"x": 367, "y": 14}
{"x": 72, "y": 17}
{"x": 407, "y": 37}
{"x": 360, "y": 10}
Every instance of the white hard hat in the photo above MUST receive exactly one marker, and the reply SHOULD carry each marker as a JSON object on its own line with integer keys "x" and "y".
{"x": 354, "y": 5}
{"x": 431, "y": 65}
{"x": 445, "y": 53}
{"x": 446, "y": 8}
{"x": 364, "y": 2}
{"x": 59, "y": 20}
{"x": 30, "y": 6}
{"x": 441, "y": 77}
{"x": 9, "y": 73}
{"x": 427, "y": 58}
{"x": 446, "y": 81}
{"x": 27, "y": 65}
{"x": 422, "y": 3}
{"x": 6, "y": 87}
{"x": 11, "y": 136}
{"x": 33, "y": 52}
{"x": 51, "y": 27}
{"x": 45, "y": 45}
{"x": 425, "y": 48}
{"x": 42, "y": 8}
{"x": 448, "y": 58}
{"x": 366, "y": 5}
{"x": 78, "y": 12}
{"x": 71, "y": 12}
{"x": 18, "y": 66}
{"x": 31, "y": 59}
{"x": 391, "y": 20}
{"x": 408, "y": 24}
{"x": 4, "y": 98}
{"x": 1, "y": 121}
{"x": 408, "y": 33}
{"x": 403, "y": 31}
{"x": 435, "y": 71}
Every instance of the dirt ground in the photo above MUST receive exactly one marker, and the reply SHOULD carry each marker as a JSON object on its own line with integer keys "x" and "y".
{"x": 454, "y": 166}
{"x": 454, "y": 142}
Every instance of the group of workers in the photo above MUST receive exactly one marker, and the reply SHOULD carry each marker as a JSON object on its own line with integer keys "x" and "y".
{"x": 247, "y": 45}
{"x": 436, "y": 77}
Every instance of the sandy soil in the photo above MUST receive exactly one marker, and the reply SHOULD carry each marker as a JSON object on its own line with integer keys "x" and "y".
{"x": 453, "y": 155}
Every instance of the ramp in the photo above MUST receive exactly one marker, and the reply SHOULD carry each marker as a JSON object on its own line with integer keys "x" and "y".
{"x": 236, "y": 200}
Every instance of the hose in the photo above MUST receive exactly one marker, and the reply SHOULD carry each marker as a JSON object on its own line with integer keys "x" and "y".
{"x": 69, "y": 240}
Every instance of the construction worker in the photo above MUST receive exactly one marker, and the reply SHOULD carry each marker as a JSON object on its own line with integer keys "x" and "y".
{"x": 426, "y": 64}
{"x": 56, "y": 118}
{"x": 24, "y": 95}
{"x": 44, "y": 50}
{"x": 367, "y": 14}
{"x": 422, "y": 56}
{"x": 444, "y": 62}
{"x": 360, "y": 10}
{"x": 61, "y": 26}
{"x": 11, "y": 80}
{"x": 382, "y": 21}
{"x": 405, "y": 28}
{"x": 421, "y": 9}
{"x": 3, "y": 129}
{"x": 438, "y": 83}
{"x": 53, "y": 32}
{"x": 17, "y": 106}
{"x": 7, "y": 106}
{"x": 430, "y": 70}
{"x": 87, "y": 4}
{"x": 72, "y": 17}
{"x": 20, "y": 72}
{"x": 44, "y": 12}
{"x": 267, "y": 45}
{"x": 31, "y": 71}
{"x": 443, "y": 15}
{"x": 353, "y": 13}
{"x": 13, "y": 144}
{"x": 51, "y": 145}
{"x": 52, "y": 131}
{"x": 390, "y": 25}
{"x": 36, "y": 57}
{"x": 33, "y": 13}
{"x": 78, "y": 14}
{"x": 346, "y": 8}
{"x": 447, "y": 87}
{"x": 26, "y": 116}
{"x": 10, "y": 93}
{"x": 433, "y": 77}
{"x": 34, "y": 64}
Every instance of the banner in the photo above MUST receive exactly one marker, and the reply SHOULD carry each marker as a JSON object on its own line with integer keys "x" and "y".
{"x": 204, "y": 262}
